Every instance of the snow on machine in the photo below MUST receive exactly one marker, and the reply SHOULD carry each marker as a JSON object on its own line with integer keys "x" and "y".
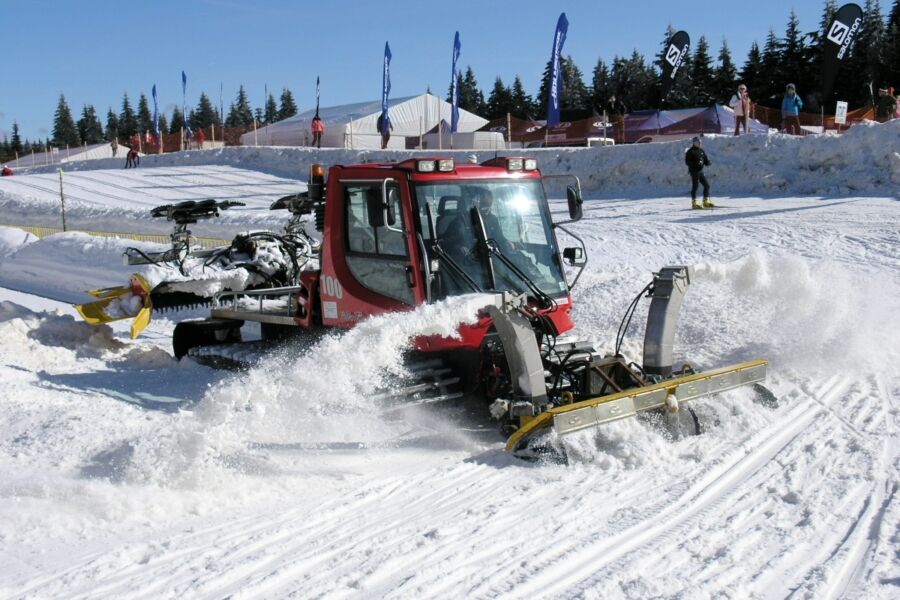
{"x": 399, "y": 235}
{"x": 187, "y": 275}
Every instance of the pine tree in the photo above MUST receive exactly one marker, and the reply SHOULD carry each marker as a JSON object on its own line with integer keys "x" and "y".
{"x": 177, "y": 121}
{"x": 144, "y": 117}
{"x": 702, "y": 74}
{"x": 725, "y": 75}
{"x": 205, "y": 115}
{"x": 751, "y": 74}
{"x": 127, "y": 121}
{"x": 470, "y": 97}
{"x": 634, "y": 82}
{"x": 288, "y": 106}
{"x": 271, "y": 114}
{"x": 771, "y": 83}
{"x": 892, "y": 46}
{"x": 499, "y": 101}
{"x": 112, "y": 125}
{"x": 15, "y": 142}
{"x": 240, "y": 113}
{"x": 522, "y": 105}
{"x": 64, "y": 130}
{"x": 576, "y": 100}
{"x": 600, "y": 86}
{"x": 258, "y": 115}
{"x": 89, "y": 128}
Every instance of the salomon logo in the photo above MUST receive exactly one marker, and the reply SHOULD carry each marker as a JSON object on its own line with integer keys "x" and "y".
{"x": 673, "y": 55}
{"x": 838, "y": 32}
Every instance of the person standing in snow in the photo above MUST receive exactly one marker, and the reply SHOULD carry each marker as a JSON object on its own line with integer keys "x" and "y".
{"x": 886, "y": 105}
{"x": 318, "y": 128}
{"x": 740, "y": 103}
{"x": 615, "y": 111}
{"x": 695, "y": 159}
{"x": 201, "y": 137}
{"x": 384, "y": 127}
{"x": 790, "y": 110}
{"x": 114, "y": 144}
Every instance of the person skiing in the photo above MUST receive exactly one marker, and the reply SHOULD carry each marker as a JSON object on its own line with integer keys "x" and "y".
{"x": 695, "y": 159}
{"x": 790, "y": 110}
{"x": 318, "y": 128}
{"x": 7, "y": 171}
{"x": 741, "y": 103}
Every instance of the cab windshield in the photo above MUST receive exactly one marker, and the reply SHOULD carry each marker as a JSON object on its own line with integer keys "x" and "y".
{"x": 516, "y": 222}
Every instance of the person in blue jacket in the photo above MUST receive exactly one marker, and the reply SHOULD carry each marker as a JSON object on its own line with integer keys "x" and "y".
{"x": 790, "y": 110}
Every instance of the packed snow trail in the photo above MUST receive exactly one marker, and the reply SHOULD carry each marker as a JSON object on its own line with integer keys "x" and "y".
{"x": 285, "y": 481}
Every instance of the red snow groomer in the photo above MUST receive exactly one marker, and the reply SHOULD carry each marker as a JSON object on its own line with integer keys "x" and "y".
{"x": 396, "y": 236}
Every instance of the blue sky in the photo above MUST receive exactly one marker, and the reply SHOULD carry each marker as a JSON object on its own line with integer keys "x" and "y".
{"x": 95, "y": 50}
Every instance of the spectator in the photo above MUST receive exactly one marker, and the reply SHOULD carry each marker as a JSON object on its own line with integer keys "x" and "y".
{"x": 318, "y": 128}
{"x": 695, "y": 159}
{"x": 114, "y": 144}
{"x": 201, "y": 137}
{"x": 384, "y": 127}
{"x": 615, "y": 111}
{"x": 7, "y": 171}
{"x": 886, "y": 106}
{"x": 741, "y": 104}
{"x": 790, "y": 110}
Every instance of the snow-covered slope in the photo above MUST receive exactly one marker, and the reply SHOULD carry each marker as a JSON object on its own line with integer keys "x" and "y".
{"x": 127, "y": 475}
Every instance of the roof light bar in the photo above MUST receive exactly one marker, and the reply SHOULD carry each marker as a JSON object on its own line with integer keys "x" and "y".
{"x": 425, "y": 166}
{"x": 514, "y": 164}
{"x": 531, "y": 164}
{"x": 445, "y": 165}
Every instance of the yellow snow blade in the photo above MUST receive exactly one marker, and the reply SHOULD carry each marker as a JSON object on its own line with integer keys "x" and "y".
{"x": 603, "y": 409}
{"x": 95, "y": 313}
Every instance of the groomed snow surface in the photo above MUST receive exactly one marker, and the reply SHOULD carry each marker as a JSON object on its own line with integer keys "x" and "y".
{"x": 124, "y": 474}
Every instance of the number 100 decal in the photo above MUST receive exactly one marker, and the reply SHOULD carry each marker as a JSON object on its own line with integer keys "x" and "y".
{"x": 332, "y": 287}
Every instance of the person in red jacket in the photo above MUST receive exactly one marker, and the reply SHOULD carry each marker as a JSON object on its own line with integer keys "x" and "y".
{"x": 7, "y": 171}
{"x": 201, "y": 137}
{"x": 318, "y": 128}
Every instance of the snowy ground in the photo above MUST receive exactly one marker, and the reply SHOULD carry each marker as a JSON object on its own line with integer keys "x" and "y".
{"x": 126, "y": 475}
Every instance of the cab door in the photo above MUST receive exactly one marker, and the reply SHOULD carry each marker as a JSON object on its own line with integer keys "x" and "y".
{"x": 372, "y": 262}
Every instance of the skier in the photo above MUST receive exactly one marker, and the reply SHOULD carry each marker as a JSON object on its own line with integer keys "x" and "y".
{"x": 741, "y": 103}
{"x": 132, "y": 159}
{"x": 695, "y": 159}
{"x": 7, "y": 171}
{"x": 318, "y": 128}
{"x": 790, "y": 110}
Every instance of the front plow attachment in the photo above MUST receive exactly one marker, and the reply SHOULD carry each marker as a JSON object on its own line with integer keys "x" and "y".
{"x": 669, "y": 394}
{"x": 116, "y": 303}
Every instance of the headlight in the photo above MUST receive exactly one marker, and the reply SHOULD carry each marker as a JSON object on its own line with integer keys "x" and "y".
{"x": 514, "y": 164}
{"x": 445, "y": 165}
{"x": 530, "y": 164}
{"x": 425, "y": 166}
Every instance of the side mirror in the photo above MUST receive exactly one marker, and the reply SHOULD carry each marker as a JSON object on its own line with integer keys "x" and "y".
{"x": 573, "y": 255}
{"x": 575, "y": 202}
{"x": 375, "y": 210}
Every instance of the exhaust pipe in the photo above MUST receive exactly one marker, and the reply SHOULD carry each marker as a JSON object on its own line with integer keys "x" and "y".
{"x": 669, "y": 287}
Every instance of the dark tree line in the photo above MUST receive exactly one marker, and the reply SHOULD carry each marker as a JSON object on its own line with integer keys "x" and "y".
{"x": 796, "y": 57}
{"x": 129, "y": 121}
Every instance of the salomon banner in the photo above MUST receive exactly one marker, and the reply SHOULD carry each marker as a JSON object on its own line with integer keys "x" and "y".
{"x": 454, "y": 91}
{"x": 844, "y": 27}
{"x": 553, "y": 102}
{"x": 677, "y": 52}
{"x": 385, "y": 89}
{"x": 184, "y": 111}
{"x": 155, "y": 112}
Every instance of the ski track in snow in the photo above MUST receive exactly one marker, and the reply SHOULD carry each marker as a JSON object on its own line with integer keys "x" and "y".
{"x": 797, "y": 500}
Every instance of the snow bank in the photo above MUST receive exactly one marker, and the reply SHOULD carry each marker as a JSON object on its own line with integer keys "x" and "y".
{"x": 864, "y": 159}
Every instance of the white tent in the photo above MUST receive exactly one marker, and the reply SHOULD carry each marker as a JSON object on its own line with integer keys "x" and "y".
{"x": 353, "y": 125}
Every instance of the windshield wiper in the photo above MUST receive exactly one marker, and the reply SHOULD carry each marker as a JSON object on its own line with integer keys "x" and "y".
{"x": 543, "y": 299}
{"x": 455, "y": 269}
